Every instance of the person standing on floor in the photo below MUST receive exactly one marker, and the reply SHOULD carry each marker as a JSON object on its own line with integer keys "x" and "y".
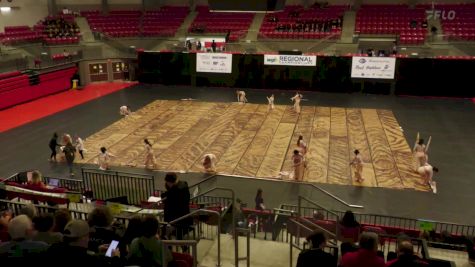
{"x": 176, "y": 203}
{"x": 357, "y": 163}
{"x": 69, "y": 152}
{"x": 296, "y": 99}
{"x": 271, "y": 101}
{"x": 302, "y": 145}
{"x": 209, "y": 162}
{"x": 80, "y": 146}
{"x": 104, "y": 158}
{"x": 149, "y": 155}
{"x": 53, "y": 143}
{"x": 298, "y": 165}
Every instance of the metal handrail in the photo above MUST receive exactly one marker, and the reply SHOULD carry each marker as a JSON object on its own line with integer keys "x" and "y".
{"x": 335, "y": 197}
{"x": 291, "y": 243}
{"x": 247, "y": 231}
{"x": 201, "y": 211}
{"x": 330, "y": 234}
{"x": 192, "y": 243}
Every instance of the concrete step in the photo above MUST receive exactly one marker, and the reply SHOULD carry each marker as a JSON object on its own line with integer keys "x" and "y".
{"x": 255, "y": 26}
{"x": 348, "y": 29}
{"x": 182, "y": 32}
{"x": 85, "y": 29}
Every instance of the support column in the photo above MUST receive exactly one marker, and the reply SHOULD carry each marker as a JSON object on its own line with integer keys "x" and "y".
{"x": 105, "y": 6}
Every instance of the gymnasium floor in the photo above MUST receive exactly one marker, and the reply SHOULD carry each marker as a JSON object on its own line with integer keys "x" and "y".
{"x": 449, "y": 121}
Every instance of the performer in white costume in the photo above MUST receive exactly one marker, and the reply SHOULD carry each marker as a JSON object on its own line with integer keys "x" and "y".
{"x": 296, "y": 99}
{"x": 271, "y": 101}
{"x": 357, "y": 164}
{"x": 420, "y": 151}
{"x": 149, "y": 156}
{"x": 427, "y": 172}
{"x": 104, "y": 159}
{"x": 241, "y": 96}
{"x": 209, "y": 162}
{"x": 298, "y": 165}
{"x": 302, "y": 146}
{"x": 125, "y": 110}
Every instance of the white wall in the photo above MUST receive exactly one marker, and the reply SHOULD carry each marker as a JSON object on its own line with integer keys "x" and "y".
{"x": 24, "y": 12}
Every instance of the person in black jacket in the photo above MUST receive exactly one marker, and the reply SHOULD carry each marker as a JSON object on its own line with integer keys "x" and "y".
{"x": 53, "y": 143}
{"x": 406, "y": 257}
{"x": 315, "y": 256}
{"x": 176, "y": 204}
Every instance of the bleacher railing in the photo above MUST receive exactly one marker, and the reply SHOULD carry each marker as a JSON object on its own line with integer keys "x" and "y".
{"x": 113, "y": 184}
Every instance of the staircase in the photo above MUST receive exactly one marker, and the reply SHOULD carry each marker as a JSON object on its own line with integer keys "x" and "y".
{"x": 85, "y": 29}
{"x": 348, "y": 29}
{"x": 182, "y": 32}
{"x": 253, "y": 30}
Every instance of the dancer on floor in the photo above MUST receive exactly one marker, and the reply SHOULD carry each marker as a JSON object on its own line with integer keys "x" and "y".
{"x": 149, "y": 155}
{"x": 241, "y": 95}
{"x": 125, "y": 111}
{"x": 420, "y": 151}
{"x": 80, "y": 146}
{"x": 296, "y": 99}
{"x": 69, "y": 152}
{"x": 271, "y": 101}
{"x": 209, "y": 162}
{"x": 302, "y": 145}
{"x": 299, "y": 165}
{"x": 104, "y": 158}
{"x": 427, "y": 172}
{"x": 357, "y": 163}
{"x": 53, "y": 143}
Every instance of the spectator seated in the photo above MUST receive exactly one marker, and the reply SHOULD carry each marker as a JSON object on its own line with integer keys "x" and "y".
{"x": 236, "y": 24}
{"x": 295, "y": 22}
{"x": 393, "y": 19}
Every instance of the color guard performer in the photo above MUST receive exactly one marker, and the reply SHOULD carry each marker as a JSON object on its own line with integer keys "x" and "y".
{"x": 296, "y": 99}
{"x": 149, "y": 155}
{"x": 209, "y": 162}
{"x": 298, "y": 165}
{"x": 427, "y": 172}
{"x": 241, "y": 95}
{"x": 302, "y": 145}
{"x": 357, "y": 163}
{"x": 104, "y": 158}
{"x": 125, "y": 111}
{"x": 271, "y": 101}
{"x": 420, "y": 151}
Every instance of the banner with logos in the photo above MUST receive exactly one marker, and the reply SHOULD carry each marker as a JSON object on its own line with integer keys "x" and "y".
{"x": 214, "y": 62}
{"x": 290, "y": 60}
{"x": 373, "y": 67}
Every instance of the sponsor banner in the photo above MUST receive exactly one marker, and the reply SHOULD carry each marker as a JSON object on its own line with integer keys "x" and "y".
{"x": 214, "y": 62}
{"x": 290, "y": 60}
{"x": 373, "y": 67}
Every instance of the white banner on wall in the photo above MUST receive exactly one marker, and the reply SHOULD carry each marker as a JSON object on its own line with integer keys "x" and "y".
{"x": 214, "y": 62}
{"x": 373, "y": 67}
{"x": 290, "y": 60}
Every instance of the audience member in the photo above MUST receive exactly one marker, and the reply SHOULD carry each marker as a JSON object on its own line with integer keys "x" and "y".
{"x": 349, "y": 227}
{"x": 147, "y": 250}
{"x": 198, "y": 45}
{"x": 21, "y": 249}
{"x": 213, "y": 46}
{"x": 134, "y": 230}
{"x": 259, "y": 200}
{"x": 406, "y": 256}
{"x": 43, "y": 224}
{"x": 102, "y": 231}
{"x": 36, "y": 180}
{"x": 5, "y": 218}
{"x": 366, "y": 255}
{"x": 61, "y": 218}
{"x": 74, "y": 249}
{"x": 176, "y": 204}
{"x": 315, "y": 256}
{"x": 29, "y": 210}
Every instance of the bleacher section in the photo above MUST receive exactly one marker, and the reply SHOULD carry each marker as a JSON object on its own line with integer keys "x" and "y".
{"x": 295, "y": 22}
{"x": 19, "y": 34}
{"x": 18, "y": 88}
{"x": 134, "y": 23}
{"x": 462, "y": 25}
{"x": 237, "y": 24}
{"x": 392, "y": 19}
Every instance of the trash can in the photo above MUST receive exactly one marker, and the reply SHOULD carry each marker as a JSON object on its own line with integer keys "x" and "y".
{"x": 75, "y": 84}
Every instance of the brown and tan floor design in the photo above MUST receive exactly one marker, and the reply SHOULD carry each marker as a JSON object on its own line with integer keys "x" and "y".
{"x": 249, "y": 140}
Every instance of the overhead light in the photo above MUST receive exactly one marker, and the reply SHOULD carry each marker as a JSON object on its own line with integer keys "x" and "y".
{"x": 5, "y": 9}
